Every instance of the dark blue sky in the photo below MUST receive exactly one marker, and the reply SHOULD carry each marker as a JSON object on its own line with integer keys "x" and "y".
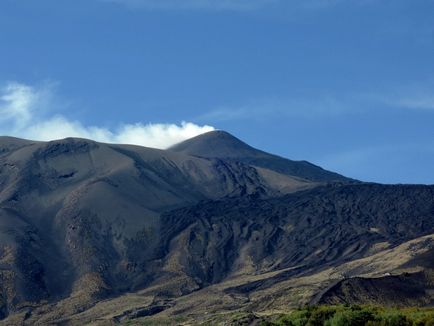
{"x": 348, "y": 84}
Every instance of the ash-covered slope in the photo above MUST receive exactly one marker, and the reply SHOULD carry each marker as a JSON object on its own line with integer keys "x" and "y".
{"x": 220, "y": 144}
{"x": 258, "y": 254}
{"x": 82, "y": 222}
{"x": 403, "y": 290}
{"x": 308, "y": 230}
{"x": 76, "y": 215}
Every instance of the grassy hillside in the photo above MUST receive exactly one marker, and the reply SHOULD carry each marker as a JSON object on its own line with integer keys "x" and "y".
{"x": 322, "y": 315}
{"x": 343, "y": 315}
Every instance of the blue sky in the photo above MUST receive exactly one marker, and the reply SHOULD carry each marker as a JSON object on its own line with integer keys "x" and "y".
{"x": 346, "y": 84}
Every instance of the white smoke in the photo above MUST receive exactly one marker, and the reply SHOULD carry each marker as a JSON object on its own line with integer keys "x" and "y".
{"x": 23, "y": 111}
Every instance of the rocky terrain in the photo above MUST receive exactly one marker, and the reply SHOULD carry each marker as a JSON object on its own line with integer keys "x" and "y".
{"x": 94, "y": 233}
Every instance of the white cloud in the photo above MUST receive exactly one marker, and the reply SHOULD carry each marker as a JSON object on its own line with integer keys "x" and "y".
{"x": 410, "y": 97}
{"x": 425, "y": 102}
{"x": 323, "y": 105}
{"x": 17, "y": 103}
{"x": 272, "y": 108}
{"x": 23, "y": 111}
{"x": 215, "y": 5}
{"x": 235, "y": 5}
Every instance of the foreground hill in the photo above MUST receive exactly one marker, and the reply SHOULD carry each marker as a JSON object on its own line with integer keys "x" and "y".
{"x": 101, "y": 233}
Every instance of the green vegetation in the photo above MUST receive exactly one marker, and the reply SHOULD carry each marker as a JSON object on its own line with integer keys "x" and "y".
{"x": 344, "y": 315}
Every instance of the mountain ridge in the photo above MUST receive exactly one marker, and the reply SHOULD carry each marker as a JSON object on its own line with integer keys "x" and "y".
{"x": 223, "y": 145}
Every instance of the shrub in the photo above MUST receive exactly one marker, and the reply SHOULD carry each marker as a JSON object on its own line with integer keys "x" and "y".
{"x": 345, "y": 315}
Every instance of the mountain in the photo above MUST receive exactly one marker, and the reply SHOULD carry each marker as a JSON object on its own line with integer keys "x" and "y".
{"x": 77, "y": 213}
{"x": 220, "y": 144}
{"x": 104, "y": 234}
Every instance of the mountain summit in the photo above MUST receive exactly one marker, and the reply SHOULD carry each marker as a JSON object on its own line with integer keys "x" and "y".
{"x": 216, "y": 144}
{"x": 221, "y": 144}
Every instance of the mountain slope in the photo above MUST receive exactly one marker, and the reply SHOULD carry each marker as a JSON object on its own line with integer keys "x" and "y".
{"x": 94, "y": 209}
{"x": 407, "y": 289}
{"x": 307, "y": 230}
{"x": 220, "y": 144}
{"x": 86, "y": 227}
{"x": 246, "y": 247}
